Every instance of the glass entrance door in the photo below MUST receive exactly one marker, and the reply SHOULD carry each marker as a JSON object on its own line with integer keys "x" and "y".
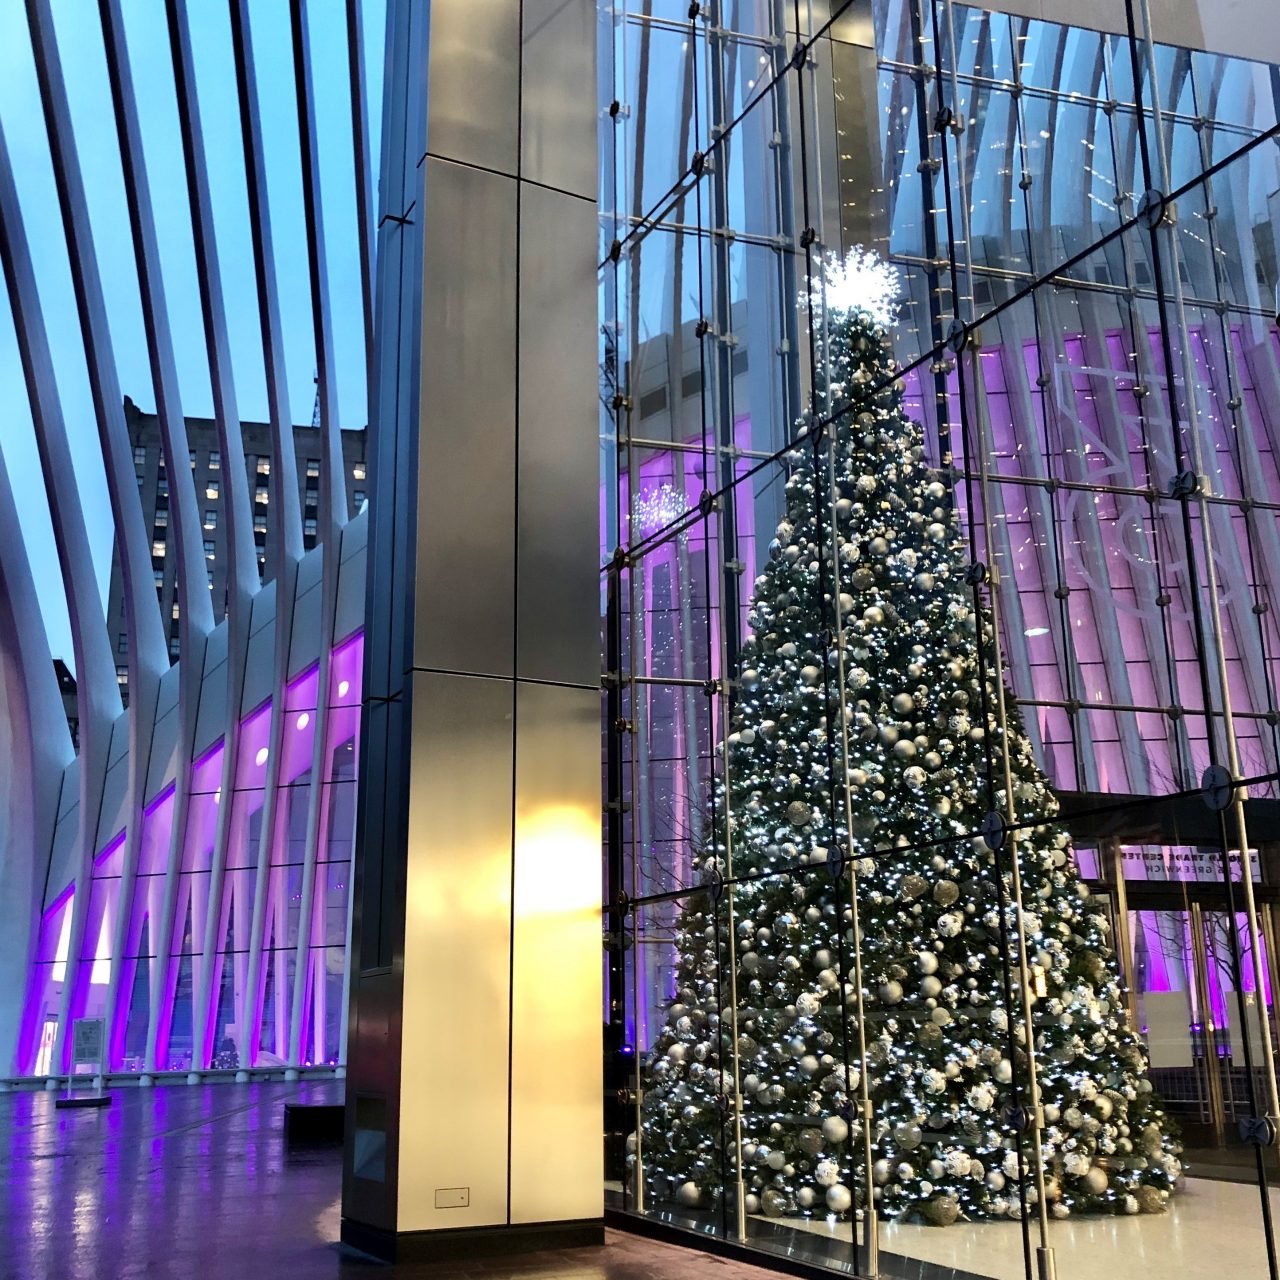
{"x": 1199, "y": 1015}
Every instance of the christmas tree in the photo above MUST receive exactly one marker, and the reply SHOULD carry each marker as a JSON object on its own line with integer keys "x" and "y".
{"x": 770, "y": 959}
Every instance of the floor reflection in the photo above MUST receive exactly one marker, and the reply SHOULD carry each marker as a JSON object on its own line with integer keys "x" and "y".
{"x": 196, "y": 1183}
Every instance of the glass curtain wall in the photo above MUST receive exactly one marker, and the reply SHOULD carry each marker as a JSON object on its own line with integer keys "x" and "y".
{"x": 939, "y": 386}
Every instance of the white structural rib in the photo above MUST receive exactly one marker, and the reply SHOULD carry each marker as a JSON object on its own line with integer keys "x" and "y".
{"x": 147, "y": 652}
{"x": 332, "y": 515}
{"x": 195, "y": 620}
{"x": 285, "y": 540}
{"x": 37, "y": 745}
{"x": 242, "y": 567}
{"x": 97, "y": 690}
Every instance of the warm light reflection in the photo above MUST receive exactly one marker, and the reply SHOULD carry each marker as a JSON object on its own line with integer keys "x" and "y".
{"x": 556, "y": 851}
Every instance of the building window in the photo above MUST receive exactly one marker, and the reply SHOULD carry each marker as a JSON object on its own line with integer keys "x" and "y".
{"x": 211, "y": 490}
{"x": 122, "y": 643}
{"x": 309, "y": 526}
{"x": 264, "y": 466}
{"x": 157, "y": 549}
{"x": 162, "y": 518}
{"x": 162, "y": 488}
{"x": 158, "y": 574}
{"x": 139, "y": 456}
{"x": 176, "y": 611}
{"x": 313, "y": 468}
{"x": 215, "y": 459}
{"x": 175, "y": 645}
{"x": 260, "y": 496}
{"x": 357, "y": 471}
{"x": 209, "y": 548}
{"x": 357, "y": 497}
{"x": 122, "y": 674}
{"x": 191, "y": 453}
{"x": 259, "y": 524}
{"x": 211, "y": 518}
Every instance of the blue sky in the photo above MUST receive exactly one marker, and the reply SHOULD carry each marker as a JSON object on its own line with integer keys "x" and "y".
{"x": 80, "y": 41}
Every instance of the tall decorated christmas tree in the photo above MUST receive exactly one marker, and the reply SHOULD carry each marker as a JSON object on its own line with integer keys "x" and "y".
{"x": 773, "y": 962}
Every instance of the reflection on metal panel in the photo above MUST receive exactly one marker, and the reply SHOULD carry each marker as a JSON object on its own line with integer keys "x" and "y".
{"x": 557, "y": 72}
{"x": 473, "y": 77}
{"x": 557, "y": 627}
{"x": 457, "y": 959}
{"x": 555, "y": 1050}
{"x": 466, "y": 490}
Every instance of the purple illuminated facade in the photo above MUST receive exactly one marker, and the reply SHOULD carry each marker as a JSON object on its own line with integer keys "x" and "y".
{"x": 239, "y": 1027}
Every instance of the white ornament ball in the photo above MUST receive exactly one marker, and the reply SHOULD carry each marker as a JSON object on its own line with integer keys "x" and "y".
{"x": 805, "y": 1197}
{"x": 1096, "y": 1181}
{"x": 827, "y": 1173}
{"x": 891, "y": 992}
{"x": 835, "y": 1129}
{"x": 950, "y": 924}
{"x": 927, "y": 962}
{"x": 839, "y": 1199}
{"x": 688, "y": 1195}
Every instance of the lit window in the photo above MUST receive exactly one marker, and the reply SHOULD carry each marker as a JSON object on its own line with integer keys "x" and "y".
{"x": 211, "y": 518}
{"x": 162, "y": 488}
{"x": 209, "y": 548}
{"x": 264, "y": 466}
{"x": 122, "y": 675}
{"x": 259, "y": 524}
{"x": 309, "y": 526}
{"x": 313, "y": 469}
{"x": 261, "y": 497}
{"x": 162, "y": 518}
{"x": 357, "y": 472}
{"x": 211, "y": 490}
{"x": 100, "y": 974}
{"x": 157, "y": 548}
{"x": 215, "y": 459}
{"x": 191, "y": 453}
{"x": 176, "y": 611}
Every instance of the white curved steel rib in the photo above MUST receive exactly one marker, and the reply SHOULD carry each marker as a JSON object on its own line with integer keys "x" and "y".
{"x": 147, "y": 657}
{"x": 41, "y": 751}
{"x": 195, "y": 620}
{"x": 332, "y": 516}
{"x": 285, "y": 544}
{"x": 242, "y": 568}
{"x": 97, "y": 690}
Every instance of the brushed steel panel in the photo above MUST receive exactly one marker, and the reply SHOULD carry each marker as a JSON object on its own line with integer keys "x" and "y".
{"x": 453, "y": 1098}
{"x": 558, "y": 107}
{"x": 473, "y": 81}
{"x": 466, "y": 482}
{"x": 556, "y": 1155}
{"x": 558, "y": 595}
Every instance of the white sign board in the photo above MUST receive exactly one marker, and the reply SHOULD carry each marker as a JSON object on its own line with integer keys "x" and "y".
{"x": 88, "y": 1044}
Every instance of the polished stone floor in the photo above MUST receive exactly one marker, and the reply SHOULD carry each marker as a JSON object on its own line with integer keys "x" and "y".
{"x": 196, "y": 1183}
{"x": 1213, "y": 1231}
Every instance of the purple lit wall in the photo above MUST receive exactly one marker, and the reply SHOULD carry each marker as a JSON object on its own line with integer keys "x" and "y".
{"x": 177, "y": 959}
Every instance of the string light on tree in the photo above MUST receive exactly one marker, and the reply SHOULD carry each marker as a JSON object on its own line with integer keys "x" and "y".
{"x": 943, "y": 1051}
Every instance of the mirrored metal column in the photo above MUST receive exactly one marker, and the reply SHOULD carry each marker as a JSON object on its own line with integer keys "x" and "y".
{"x": 475, "y": 1014}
